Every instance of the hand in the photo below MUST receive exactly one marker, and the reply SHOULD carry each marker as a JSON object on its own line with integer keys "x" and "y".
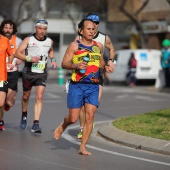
{"x": 111, "y": 66}
{"x": 82, "y": 65}
{"x": 53, "y": 65}
{"x": 11, "y": 66}
{"x": 35, "y": 59}
{"x": 108, "y": 69}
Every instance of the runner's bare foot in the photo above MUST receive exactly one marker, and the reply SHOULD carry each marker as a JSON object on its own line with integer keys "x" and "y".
{"x": 59, "y": 131}
{"x": 83, "y": 152}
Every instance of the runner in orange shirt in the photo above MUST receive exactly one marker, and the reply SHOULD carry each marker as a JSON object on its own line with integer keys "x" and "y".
{"x": 5, "y": 48}
{"x": 8, "y": 29}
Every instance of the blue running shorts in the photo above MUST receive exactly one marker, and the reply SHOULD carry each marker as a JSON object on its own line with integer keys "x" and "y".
{"x": 79, "y": 94}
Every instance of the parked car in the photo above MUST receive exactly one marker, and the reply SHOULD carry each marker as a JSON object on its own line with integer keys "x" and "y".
{"x": 148, "y": 64}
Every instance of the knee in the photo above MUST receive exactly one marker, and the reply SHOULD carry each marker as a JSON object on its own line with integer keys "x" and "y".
{"x": 1, "y": 104}
{"x": 25, "y": 97}
{"x": 89, "y": 118}
{"x": 39, "y": 98}
{"x": 73, "y": 119}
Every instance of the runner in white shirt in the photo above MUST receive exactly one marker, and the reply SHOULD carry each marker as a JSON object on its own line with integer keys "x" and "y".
{"x": 38, "y": 49}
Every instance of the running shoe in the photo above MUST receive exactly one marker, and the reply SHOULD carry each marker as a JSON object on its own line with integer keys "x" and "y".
{"x": 23, "y": 124}
{"x": 6, "y": 107}
{"x": 36, "y": 128}
{"x": 80, "y": 134}
{"x": 2, "y": 127}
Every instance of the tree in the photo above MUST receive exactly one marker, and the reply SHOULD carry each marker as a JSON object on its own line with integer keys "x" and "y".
{"x": 4, "y": 8}
{"x": 20, "y": 10}
{"x": 135, "y": 19}
{"x": 76, "y": 10}
{"x": 23, "y": 10}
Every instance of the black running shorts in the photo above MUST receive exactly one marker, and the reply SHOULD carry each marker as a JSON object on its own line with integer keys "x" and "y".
{"x": 5, "y": 87}
{"x": 33, "y": 79}
{"x": 13, "y": 80}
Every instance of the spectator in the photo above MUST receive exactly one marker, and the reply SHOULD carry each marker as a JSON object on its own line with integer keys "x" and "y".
{"x": 165, "y": 61}
{"x": 132, "y": 70}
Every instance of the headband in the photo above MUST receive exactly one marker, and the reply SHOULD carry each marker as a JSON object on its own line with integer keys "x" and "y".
{"x": 42, "y": 22}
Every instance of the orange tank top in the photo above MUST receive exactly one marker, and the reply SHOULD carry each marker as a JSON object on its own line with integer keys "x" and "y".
{"x": 4, "y": 48}
{"x": 13, "y": 43}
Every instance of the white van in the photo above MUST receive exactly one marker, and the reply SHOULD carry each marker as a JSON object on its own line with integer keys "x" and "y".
{"x": 148, "y": 64}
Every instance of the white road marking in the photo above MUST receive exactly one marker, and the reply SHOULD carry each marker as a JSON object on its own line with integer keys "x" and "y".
{"x": 44, "y": 101}
{"x": 167, "y": 144}
{"x": 71, "y": 139}
{"x": 138, "y": 97}
{"x": 147, "y": 98}
{"x": 122, "y": 96}
{"x": 47, "y": 96}
{"x": 52, "y": 96}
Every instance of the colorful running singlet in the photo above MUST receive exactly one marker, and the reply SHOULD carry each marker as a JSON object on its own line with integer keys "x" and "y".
{"x": 4, "y": 48}
{"x": 92, "y": 72}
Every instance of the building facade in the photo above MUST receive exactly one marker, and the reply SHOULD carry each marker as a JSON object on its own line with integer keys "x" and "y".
{"x": 154, "y": 19}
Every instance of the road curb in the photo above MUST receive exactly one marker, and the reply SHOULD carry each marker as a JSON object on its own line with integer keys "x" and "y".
{"x": 135, "y": 141}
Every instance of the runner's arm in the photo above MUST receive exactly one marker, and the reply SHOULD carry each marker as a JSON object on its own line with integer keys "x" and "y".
{"x": 67, "y": 59}
{"x": 20, "y": 54}
{"x": 52, "y": 56}
{"x": 111, "y": 50}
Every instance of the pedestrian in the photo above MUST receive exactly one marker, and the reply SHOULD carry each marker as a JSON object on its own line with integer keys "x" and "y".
{"x": 8, "y": 29}
{"x": 165, "y": 61}
{"x": 83, "y": 87}
{"x": 5, "y": 48}
{"x": 106, "y": 42}
{"x": 132, "y": 70}
{"x": 39, "y": 47}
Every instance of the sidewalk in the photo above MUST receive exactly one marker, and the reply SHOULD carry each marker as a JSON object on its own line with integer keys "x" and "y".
{"x": 132, "y": 140}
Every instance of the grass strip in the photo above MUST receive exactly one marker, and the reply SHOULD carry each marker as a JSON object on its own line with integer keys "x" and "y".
{"x": 154, "y": 124}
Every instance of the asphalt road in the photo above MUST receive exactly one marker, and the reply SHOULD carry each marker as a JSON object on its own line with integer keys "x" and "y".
{"x": 20, "y": 149}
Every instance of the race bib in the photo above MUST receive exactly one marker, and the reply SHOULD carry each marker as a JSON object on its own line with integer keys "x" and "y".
{"x": 1, "y": 83}
{"x": 38, "y": 67}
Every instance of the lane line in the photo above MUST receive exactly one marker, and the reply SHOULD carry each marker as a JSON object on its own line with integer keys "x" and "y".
{"x": 44, "y": 101}
{"x": 71, "y": 139}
